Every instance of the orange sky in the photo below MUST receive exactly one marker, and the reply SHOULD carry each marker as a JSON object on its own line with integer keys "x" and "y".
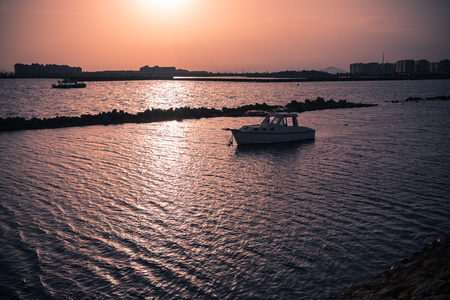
{"x": 221, "y": 35}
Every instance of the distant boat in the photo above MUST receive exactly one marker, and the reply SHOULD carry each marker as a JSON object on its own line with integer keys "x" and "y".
{"x": 275, "y": 128}
{"x": 68, "y": 84}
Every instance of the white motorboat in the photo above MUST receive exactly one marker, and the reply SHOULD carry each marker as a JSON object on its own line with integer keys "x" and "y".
{"x": 68, "y": 84}
{"x": 275, "y": 128}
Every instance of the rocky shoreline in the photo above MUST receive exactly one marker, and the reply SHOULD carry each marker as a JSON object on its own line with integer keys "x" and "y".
{"x": 158, "y": 115}
{"x": 443, "y": 98}
{"x": 425, "y": 276}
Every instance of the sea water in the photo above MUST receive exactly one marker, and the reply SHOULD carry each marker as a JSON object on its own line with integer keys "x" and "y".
{"x": 168, "y": 210}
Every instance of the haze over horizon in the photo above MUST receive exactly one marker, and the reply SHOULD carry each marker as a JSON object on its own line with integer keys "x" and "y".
{"x": 221, "y": 35}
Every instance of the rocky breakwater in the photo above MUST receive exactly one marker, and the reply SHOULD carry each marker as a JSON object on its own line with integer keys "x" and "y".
{"x": 425, "y": 276}
{"x": 442, "y": 98}
{"x": 158, "y": 115}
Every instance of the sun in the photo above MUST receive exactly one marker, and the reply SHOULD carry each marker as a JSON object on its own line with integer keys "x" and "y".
{"x": 165, "y": 7}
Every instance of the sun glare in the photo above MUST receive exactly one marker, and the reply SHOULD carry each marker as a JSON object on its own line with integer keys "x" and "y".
{"x": 165, "y": 7}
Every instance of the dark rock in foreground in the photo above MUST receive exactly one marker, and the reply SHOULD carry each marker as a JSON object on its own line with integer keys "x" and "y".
{"x": 158, "y": 115}
{"x": 425, "y": 276}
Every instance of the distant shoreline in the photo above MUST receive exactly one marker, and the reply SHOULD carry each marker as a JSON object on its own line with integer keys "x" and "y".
{"x": 275, "y": 79}
{"x": 237, "y": 78}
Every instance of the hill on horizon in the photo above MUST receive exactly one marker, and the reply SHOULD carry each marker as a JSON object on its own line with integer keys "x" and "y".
{"x": 333, "y": 70}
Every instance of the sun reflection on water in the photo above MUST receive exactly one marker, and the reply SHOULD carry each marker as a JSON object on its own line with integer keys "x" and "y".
{"x": 166, "y": 207}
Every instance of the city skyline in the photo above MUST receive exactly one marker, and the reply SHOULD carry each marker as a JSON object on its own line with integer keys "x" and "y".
{"x": 221, "y": 36}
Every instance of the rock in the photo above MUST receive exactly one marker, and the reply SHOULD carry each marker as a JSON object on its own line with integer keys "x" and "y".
{"x": 430, "y": 287}
{"x": 425, "y": 276}
{"x": 158, "y": 115}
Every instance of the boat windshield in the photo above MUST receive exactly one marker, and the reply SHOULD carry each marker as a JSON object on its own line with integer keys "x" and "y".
{"x": 275, "y": 120}
{"x": 281, "y": 120}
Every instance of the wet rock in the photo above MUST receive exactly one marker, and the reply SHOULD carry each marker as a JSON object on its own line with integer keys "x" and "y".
{"x": 443, "y": 98}
{"x": 158, "y": 115}
{"x": 425, "y": 276}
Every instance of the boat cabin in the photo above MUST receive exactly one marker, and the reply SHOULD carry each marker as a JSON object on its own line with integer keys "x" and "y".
{"x": 281, "y": 120}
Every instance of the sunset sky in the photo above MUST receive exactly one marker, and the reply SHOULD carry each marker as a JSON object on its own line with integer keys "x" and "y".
{"x": 221, "y": 35}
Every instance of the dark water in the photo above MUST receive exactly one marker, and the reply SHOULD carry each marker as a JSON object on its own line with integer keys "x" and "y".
{"x": 169, "y": 211}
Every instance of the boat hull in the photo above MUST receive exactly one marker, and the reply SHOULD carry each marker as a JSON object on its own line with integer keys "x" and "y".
{"x": 245, "y": 137}
{"x": 73, "y": 86}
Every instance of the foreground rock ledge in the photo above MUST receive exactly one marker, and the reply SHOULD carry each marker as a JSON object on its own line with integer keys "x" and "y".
{"x": 158, "y": 115}
{"x": 425, "y": 276}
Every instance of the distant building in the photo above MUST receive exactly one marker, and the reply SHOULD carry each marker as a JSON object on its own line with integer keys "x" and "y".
{"x": 372, "y": 68}
{"x": 401, "y": 67}
{"x": 158, "y": 71}
{"x": 387, "y": 69}
{"x": 422, "y": 66}
{"x": 357, "y": 69}
{"x": 37, "y": 70}
{"x": 434, "y": 68}
{"x": 405, "y": 67}
{"x": 444, "y": 67}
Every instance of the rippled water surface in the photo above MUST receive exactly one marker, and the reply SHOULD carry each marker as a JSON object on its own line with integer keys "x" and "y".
{"x": 169, "y": 210}
{"x": 35, "y": 98}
